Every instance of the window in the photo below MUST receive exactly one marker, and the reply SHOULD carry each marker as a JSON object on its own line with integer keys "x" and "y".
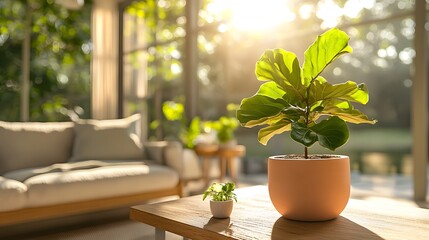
{"x": 153, "y": 42}
{"x": 381, "y": 33}
{"x": 231, "y": 38}
{"x": 59, "y": 61}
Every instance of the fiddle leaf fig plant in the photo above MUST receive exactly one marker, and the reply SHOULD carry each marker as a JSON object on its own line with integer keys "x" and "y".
{"x": 299, "y": 100}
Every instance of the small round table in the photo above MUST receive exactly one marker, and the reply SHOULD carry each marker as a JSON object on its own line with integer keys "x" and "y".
{"x": 226, "y": 157}
{"x": 206, "y": 152}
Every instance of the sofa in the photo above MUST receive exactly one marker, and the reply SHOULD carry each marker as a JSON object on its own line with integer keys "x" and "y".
{"x": 56, "y": 169}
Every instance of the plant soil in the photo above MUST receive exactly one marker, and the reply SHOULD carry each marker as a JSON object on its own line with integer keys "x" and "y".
{"x": 312, "y": 156}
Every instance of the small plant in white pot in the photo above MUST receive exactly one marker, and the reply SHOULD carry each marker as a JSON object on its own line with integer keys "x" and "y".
{"x": 222, "y": 196}
{"x": 298, "y": 99}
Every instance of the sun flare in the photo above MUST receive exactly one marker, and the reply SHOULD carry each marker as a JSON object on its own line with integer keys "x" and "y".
{"x": 254, "y": 15}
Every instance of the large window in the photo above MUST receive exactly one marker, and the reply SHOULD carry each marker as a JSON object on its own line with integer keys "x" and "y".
{"x": 232, "y": 35}
{"x": 382, "y": 32}
{"x": 153, "y": 43}
{"x": 59, "y": 50}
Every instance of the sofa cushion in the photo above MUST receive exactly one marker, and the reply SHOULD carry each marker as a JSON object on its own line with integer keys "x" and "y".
{"x": 12, "y": 194}
{"x": 98, "y": 182}
{"x": 34, "y": 144}
{"x": 22, "y": 175}
{"x": 107, "y": 139}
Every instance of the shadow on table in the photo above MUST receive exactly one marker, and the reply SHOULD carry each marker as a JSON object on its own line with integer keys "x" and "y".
{"x": 339, "y": 228}
{"x": 219, "y": 225}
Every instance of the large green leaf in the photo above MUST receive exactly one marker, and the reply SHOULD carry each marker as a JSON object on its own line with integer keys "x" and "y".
{"x": 266, "y": 133}
{"x": 302, "y": 134}
{"x": 262, "y": 107}
{"x": 293, "y": 113}
{"x": 331, "y": 133}
{"x": 282, "y": 67}
{"x": 345, "y": 111}
{"x": 324, "y": 51}
{"x": 270, "y": 89}
{"x": 323, "y": 90}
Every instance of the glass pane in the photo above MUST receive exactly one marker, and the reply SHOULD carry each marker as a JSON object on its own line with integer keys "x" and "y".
{"x": 135, "y": 34}
{"x": 134, "y": 81}
{"x": 149, "y": 22}
{"x": 59, "y": 61}
{"x": 153, "y": 53}
{"x": 382, "y": 59}
{"x": 331, "y": 13}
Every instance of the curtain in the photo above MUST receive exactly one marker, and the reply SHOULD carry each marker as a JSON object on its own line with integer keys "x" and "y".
{"x": 104, "y": 64}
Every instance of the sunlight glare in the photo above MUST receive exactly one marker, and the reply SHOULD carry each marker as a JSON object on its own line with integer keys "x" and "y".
{"x": 222, "y": 28}
{"x": 353, "y": 8}
{"x": 254, "y": 15}
{"x": 368, "y": 4}
{"x": 176, "y": 68}
{"x": 306, "y": 10}
{"x": 329, "y": 12}
{"x": 406, "y": 56}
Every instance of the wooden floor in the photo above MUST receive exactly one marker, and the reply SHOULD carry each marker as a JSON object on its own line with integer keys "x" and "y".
{"x": 397, "y": 189}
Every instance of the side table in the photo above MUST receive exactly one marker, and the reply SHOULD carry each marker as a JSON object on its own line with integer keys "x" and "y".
{"x": 226, "y": 156}
{"x": 206, "y": 152}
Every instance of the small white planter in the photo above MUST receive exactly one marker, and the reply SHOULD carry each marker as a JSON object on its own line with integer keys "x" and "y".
{"x": 221, "y": 209}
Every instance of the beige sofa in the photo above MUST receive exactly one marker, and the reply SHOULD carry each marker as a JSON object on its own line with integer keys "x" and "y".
{"x": 63, "y": 168}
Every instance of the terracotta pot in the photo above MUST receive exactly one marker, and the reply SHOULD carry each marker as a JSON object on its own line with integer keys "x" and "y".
{"x": 309, "y": 189}
{"x": 221, "y": 209}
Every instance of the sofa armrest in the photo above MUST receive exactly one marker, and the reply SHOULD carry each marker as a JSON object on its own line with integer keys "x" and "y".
{"x": 173, "y": 157}
{"x": 172, "y": 154}
{"x": 169, "y": 153}
{"x": 184, "y": 161}
{"x": 154, "y": 150}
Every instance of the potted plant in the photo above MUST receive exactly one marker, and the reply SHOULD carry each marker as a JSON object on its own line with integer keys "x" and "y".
{"x": 298, "y": 99}
{"x": 222, "y": 196}
{"x": 225, "y": 127}
{"x": 177, "y": 126}
{"x": 180, "y": 139}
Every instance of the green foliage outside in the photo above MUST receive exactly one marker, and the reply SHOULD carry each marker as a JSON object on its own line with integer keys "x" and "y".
{"x": 221, "y": 192}
{"x": 59, "y": 64}
{"x": 225, "y": 126}
{"x": 154, "y": 31}
{"x": 294, "y": 98}
{"x": 177, "y": 127}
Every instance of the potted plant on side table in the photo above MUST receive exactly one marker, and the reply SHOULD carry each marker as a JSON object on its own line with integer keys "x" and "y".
{"x": 298, "y": 99}
{"x": 222, "y": 196}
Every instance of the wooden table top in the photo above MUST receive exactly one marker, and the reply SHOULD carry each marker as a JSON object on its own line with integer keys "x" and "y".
{"x": 215, "y": 150}
{"x": 254, "y": 217}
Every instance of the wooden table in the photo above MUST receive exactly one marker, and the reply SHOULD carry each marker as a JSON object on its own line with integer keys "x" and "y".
{"x": 226, "y": 157}
{"x": 254, "y": 218}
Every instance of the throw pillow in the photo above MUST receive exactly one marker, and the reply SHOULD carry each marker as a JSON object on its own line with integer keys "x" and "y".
{"x": 107, "y": 140}
{"x": 34, "y": 144}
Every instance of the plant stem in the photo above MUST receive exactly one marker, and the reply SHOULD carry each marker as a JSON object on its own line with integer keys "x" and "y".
{"x": 307, "y": 114}
{"x": 306, "y": 152}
